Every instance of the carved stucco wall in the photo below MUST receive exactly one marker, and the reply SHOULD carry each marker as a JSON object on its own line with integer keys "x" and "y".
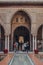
{"x": 35, "y": 14}
{"x": 2, "y": 20}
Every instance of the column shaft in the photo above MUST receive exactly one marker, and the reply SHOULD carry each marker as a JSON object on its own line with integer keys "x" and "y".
{"x": 6, "y": 42}
{"x": 33, "y": 43}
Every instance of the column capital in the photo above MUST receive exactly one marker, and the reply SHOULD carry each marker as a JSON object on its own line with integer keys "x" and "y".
{"x": 34, "y": 34}
{"x": 6, "y": 35}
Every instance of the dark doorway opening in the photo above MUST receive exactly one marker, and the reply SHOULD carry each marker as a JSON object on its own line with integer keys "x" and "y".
{"x": 23, "y": 32}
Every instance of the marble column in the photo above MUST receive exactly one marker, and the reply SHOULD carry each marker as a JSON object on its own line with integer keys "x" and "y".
{"x": 42, "y": 32}
{"x": 0, "y": 38}
{"x": 12, "y": 41}
{"x": 30, "y": 42}
{"x": 33, "y": 44}
{"x": 42, "y": 38}
{"x": 6, "y": 42}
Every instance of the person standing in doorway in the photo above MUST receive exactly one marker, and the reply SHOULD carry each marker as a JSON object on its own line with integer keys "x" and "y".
{"x": 15, "y": 47}
{"x": 27, "y": 45}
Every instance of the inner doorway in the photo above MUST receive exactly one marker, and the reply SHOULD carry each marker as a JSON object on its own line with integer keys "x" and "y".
{"x": 21, "y": 35}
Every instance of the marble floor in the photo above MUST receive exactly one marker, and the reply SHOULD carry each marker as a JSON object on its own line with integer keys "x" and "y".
{"x": 21, "y": 59}
{"x": 33, "y": 57}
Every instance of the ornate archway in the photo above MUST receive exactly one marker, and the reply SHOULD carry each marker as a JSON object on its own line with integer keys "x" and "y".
{"x": 2, "y": 38}
{"x": 20, "y": 19}
{"x": 40, "y": 38}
